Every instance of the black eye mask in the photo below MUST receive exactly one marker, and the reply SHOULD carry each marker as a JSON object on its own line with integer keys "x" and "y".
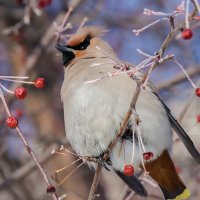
{"x": 67, "y": 57}
{"x": 83, "y": 45}
{"x": 67, "y": 51}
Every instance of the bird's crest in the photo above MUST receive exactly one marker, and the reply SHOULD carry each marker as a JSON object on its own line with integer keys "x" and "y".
{"x": 88, "y": 31}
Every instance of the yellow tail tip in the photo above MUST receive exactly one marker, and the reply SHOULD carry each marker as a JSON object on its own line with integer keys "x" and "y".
{"x": 184, "y": 195}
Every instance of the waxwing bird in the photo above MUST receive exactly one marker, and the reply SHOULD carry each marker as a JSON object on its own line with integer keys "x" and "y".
{"x": 94, "y": 108}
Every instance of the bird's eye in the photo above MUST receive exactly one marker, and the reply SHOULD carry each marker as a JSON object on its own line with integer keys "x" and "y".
{"x": 83, "y": 46}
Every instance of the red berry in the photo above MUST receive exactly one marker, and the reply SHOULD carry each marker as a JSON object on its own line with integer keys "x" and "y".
{"x": 198, "y": 118}
{"x": 187, "y": 34}
{"x": 43, "y": 3}
{"x": 18, "y": 113}
{"x": 178, "y": 170}
{"x": 197, "y": 91}
{"x": 128, "y": 170}
{"x": 147, "y": 155}
{"x": 51, "y": 189}
{"x": 20, "y": 92}
{"x": 19, "y": 1}
{"x": 40, "y": 83}
{"x": 12, "y": 122}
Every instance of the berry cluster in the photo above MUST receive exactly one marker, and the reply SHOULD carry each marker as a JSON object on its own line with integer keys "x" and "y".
{"x": 43, "y": 3}
{"x": 129, "y": 169}
{"x": 20, "y": 93}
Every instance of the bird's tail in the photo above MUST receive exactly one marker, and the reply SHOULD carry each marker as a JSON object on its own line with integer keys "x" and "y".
{"x": 134, "y": 183}
{"x": 163, "y": 171}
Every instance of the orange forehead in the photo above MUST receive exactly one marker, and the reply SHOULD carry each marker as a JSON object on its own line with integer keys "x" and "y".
{"x": 76, "y": 40}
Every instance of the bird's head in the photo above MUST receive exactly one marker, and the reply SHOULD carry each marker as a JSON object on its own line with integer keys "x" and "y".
{"x": 84, "y": 44}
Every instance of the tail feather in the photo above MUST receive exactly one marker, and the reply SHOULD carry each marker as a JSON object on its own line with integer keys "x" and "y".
{"x": 182, "y": 134}
{"x": 177, "y": 195}
{"x": 163, "y": 171}
{"x": 185, "y": 139}
{"x": 134, "y": 183}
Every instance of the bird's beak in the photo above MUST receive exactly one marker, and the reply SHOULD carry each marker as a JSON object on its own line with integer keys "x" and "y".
{"x": 63, "y": 48}
{"x": 68, "y": 53}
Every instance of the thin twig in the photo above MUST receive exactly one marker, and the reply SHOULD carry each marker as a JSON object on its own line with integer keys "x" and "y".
{"x": 178, "y": 78}
{"x": 95, "y": 183}
{"x": 70, "y": 9}
{"x": 60, "y": 183}
{"x": 196, "y": 4}
{"x": 83, "y": 22}
{"x": 28, "y": 148}
{"x": 24, "y": 170}
{"x": 25, "y": 20}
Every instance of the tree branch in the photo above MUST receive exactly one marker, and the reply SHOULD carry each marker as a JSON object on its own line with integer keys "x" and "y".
{"x": 179, "y": 78}
{"x": 95, "y": 183}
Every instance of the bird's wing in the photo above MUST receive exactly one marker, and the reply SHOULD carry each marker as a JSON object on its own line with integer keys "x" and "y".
{"x": 176, "y": 126}
{"x": 181, "y": 133}
{"x": 134, "y": 183}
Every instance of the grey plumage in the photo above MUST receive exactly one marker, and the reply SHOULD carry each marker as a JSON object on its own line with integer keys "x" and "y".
{"x": 94, "y": 110}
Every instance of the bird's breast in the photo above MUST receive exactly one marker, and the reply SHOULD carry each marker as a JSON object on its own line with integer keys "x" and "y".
{"x": 94, "y": 110}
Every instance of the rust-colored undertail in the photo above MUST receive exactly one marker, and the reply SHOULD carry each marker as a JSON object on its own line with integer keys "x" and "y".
{"x": 163, "y": 171}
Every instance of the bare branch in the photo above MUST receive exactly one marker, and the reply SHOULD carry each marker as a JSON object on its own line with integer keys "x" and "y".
{"x": 95, "y": 183}
{"x": 179, "y": 78}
